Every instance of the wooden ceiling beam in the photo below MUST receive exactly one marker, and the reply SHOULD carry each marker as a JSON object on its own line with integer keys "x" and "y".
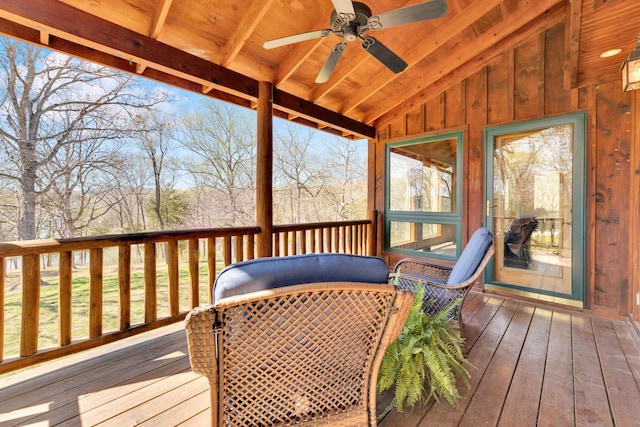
{"x": 159, "y": 18}
{"x": 98, "y": 40}
{"x": 63, "y": 20}
{"x": 251, "y": 18}
{"x": 292, "y": 105}
{"x": 424, "y": 48}
{"x": 542, "y": 23}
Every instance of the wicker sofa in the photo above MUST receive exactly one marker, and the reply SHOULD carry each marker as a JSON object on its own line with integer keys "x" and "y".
{"x": 297, "y": 340}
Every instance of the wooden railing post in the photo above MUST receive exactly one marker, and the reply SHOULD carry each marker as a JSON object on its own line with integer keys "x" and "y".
{"x": 226, "y": 250}
{"x": 30, "y": 304}
{"x": 173, "y": 277}
{"x": 64, "y": 298}
{"x": 372, "y": 233}
{"x": 211, "y": 263}
{"x": 95, "y": 292}
{"x": 239, "y": 248}
{"x": 124, "y": 287}
{"x": 150, "y": 304}
{"x": 1, "y": 308}
{"x": 194, "y": 282}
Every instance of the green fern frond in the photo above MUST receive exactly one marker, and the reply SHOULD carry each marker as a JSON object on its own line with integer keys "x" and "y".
{"x": 426, "y": 360}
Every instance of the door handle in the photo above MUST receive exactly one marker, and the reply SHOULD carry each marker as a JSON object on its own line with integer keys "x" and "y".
{"x": 489, "y": 207}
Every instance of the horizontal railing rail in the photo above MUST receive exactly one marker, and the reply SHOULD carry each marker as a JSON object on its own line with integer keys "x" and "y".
{"x": 85, "y": 274}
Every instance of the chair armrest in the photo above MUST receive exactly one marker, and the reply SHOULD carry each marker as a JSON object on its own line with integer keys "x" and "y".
{"x": 403, "y": 279}
{"x": 398, "y": 316}
{"x": 426, "y": 270}
{"x": 201, "y": 339}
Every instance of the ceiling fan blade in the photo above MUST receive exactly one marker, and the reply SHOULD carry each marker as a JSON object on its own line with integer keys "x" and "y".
{"x": 296, "y": 38}
{"x": 383, "y": 54}
{"x": 408, "y": 15}
{"x": 331, "y": 62}
{"x": 344, "y": 9}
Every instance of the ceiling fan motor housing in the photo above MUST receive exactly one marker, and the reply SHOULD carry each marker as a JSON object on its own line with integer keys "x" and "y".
{"x": 349, "y": 30}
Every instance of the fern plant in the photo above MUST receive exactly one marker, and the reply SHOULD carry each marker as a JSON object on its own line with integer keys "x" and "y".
{"x": 425, "y": 360}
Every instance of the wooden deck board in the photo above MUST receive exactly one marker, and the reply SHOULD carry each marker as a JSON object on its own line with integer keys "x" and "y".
{"x": 557, "y": 400}
{"x": 534, "y": 365}
{"x": 620, "y": 383}
{"x": 501, "y": 369}
{"x": 592, "y": 407}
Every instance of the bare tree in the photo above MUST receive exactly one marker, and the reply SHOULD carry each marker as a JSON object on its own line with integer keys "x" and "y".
{"x": 298, "y": 172}
{"x": 131, "y": 193}
{"x": 51, "y": 103}
{"x": 348, "y": 187}
{"x": 154, "y": 137}
{"x": 81, "y": 177}
{"x": 221, "y": 140}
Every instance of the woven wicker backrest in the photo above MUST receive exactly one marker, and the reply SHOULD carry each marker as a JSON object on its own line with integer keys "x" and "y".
{"x": 299, "y": 354}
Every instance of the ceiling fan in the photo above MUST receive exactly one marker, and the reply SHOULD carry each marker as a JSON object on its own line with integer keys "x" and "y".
{"x": 352, "y": 20}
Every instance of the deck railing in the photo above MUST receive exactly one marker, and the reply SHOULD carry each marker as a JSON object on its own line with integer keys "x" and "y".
{"x": 192, "y": 256}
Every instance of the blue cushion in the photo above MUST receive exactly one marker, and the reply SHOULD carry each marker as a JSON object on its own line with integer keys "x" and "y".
{"x": 471, "y": 256}
{"x": 268, "y": 273}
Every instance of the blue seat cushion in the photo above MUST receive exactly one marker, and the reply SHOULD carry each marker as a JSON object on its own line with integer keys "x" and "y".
{"x": 274, "y": 272}
{"x": 471, "y": 256}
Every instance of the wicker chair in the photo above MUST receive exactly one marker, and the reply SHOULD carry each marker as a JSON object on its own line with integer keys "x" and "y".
{"x": 305, "y": 354}
{"x": 445, "y": 284}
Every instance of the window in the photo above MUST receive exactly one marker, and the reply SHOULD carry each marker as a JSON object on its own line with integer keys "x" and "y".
{"x": 422, "y": 205}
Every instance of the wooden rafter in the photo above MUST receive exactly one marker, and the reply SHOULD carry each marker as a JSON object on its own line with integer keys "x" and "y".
{"x": 159, "y": 18}
{"x": 424, "y": 48}
{"x": 464, "y": 53}
{"x": 289, "y": 66}
{"x": 250, "y": 20}
{"x": 44, "y": 37}
{"x": 555, "y": 16}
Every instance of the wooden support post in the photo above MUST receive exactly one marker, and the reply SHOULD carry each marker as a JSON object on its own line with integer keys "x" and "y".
{"x": 264, "y": 189}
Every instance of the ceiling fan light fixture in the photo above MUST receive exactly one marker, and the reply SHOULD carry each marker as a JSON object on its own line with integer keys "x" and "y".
{"x": 631, "y": 69}
{"x": 350, "y": 33}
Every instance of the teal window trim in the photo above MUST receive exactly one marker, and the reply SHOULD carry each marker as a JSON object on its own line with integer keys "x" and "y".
{"x": 446, "y": 218}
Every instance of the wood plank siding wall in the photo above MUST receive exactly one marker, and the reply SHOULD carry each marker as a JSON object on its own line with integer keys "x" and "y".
{"x": 529, "y": 79}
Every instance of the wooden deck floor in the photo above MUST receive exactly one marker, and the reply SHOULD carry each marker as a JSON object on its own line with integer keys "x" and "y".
{"x": 533, "y": 365}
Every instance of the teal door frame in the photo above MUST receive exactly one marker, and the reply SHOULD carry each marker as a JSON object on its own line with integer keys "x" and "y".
{"x": 578, "y": 269}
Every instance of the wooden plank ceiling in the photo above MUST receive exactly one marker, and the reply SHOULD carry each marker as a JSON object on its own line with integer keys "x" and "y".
{"x": 216, "y": 47}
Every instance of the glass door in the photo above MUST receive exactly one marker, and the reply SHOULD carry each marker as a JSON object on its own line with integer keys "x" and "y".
{"x": 535, "y": 207}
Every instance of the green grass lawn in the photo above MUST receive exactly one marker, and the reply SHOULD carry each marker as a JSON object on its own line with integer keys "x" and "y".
{"x": 48, "y": 320}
